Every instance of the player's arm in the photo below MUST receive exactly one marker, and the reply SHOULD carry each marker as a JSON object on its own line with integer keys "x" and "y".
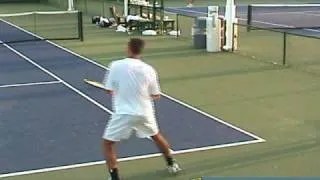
{"x": 154, "y": 86}
{"x": 108, "y": 80}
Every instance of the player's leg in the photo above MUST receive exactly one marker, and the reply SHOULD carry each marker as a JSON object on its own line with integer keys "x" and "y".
{"x": 147, "y": 127}
{"x": 162, "y": 144}
{"x": 111, "y": 158}
{"x": 164, "y": 147}
{"x": 117, "y": 129}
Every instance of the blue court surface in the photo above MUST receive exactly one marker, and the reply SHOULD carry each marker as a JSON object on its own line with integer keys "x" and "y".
{"x": 303, "y": 21}
{"x": 51, "y": 118}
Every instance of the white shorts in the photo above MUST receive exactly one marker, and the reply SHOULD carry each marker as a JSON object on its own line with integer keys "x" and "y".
{"x": 121, "y": 126}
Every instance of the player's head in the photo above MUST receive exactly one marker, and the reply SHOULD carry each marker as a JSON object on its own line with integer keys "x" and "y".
{"x": 135, "y": 47}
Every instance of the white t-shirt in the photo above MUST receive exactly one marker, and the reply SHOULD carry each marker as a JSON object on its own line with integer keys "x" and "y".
{"x": 132, "y": 82}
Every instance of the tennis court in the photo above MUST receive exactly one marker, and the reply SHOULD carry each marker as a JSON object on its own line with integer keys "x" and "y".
{"x": 56, "y": 87}
{"x": 299, "y": 19}
{"x": 42, "y": 84}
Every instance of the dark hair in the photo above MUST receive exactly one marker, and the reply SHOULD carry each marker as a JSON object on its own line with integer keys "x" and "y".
{"x": 136, "y": 45}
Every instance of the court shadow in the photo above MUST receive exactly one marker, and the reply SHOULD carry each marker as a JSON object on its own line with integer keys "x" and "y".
{"x": 222, "y": 164}
{"x": 214, "y": 166}
{"x": 221, "y": 73}
{"x": 157, "y": 175}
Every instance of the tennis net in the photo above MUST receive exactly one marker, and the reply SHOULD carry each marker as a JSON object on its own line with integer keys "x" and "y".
{"x": 36, "y": 26}
{"x": 284, "y": 16}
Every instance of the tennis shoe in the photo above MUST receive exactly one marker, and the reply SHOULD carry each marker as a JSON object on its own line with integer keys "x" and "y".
{"x": 174, "y": 169}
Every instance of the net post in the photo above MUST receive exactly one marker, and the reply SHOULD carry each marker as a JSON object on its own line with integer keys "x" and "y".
{"x": 224, "y": 32}
{"x": 103, "y": 9}
{"x": 177, "y": 24}
{"x": 284, "y": 58}
{"x": 249, "y": 18}
{"x": 233, "y": 26}
{"x": 80, "y": 26}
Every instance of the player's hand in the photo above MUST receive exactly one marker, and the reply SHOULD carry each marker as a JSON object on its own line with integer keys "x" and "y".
{"x": 156, "y": 97}
{"x": 109, "y": 92}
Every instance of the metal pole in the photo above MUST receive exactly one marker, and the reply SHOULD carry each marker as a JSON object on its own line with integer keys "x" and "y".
{"x": 103, "y": 9}
{"x": 233, "y": 26}
{"x": 249, "y": 18}
{"x": 80, "y": 26}
{"x": 177, "y": 25}
{"x": 35, "y": 22}
{"x": 284, "y": 59}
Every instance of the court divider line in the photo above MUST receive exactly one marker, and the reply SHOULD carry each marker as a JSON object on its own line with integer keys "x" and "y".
{"x": 258, "y": 139}
{"x": 29, "y": 84}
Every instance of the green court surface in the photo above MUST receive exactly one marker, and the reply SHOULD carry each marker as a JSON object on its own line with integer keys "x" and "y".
{"x": 278, "y": 103}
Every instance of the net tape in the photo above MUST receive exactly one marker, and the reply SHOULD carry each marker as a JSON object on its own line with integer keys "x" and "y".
{"x": 285, "y": 5}
{"x": 61, "y": 25}
{"x": 38, "y": 13}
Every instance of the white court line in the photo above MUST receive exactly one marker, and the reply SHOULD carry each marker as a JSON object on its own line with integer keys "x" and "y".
{"x": 29, "y": 84}
{"x": 58, "y": 78}
{"x": 45, "y": 170}
{"x": 313, "y": 13}
{"x": 258, "y": 139}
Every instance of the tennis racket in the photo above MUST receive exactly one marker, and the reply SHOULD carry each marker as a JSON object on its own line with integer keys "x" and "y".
{"x": 94, "y": 83}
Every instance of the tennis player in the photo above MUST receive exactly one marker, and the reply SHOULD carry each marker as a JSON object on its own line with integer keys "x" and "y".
{"x": 133, "y": 85}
